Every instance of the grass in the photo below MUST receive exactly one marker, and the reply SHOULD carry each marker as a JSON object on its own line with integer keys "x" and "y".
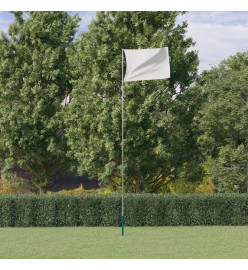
{"x": 216, "y": 242}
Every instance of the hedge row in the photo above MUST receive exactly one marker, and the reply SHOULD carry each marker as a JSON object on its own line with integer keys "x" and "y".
{"x": 140, "y": 210}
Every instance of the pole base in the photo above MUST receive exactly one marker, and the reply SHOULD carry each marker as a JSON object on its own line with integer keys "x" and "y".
{"x": 122, "y": 225}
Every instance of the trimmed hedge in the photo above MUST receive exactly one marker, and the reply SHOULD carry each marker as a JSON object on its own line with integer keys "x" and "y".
{"x": 140, "y": 210}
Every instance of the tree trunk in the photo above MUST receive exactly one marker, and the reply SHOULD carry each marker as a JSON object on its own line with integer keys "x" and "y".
{"x": 43, "y": 190}
{"x": 138, "y": 185}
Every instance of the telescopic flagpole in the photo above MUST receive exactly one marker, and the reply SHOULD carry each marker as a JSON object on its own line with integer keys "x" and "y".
{"x": 122, "y": 155}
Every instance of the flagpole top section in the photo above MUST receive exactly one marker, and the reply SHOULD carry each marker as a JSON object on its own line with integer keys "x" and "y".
{"x": 147, "y": 64}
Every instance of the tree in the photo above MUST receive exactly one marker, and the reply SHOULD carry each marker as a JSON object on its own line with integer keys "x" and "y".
{"x": 224, "y": 119}
{"x": 34, "y": 79}
{"x": 159, "y": 131}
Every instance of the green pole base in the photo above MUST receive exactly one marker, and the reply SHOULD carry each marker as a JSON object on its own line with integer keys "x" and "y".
{"x": 122, "y": 225}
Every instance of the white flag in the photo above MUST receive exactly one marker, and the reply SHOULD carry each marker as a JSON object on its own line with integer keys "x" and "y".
{"x": 147, "y": 64}
{"x": 67, "y": 100}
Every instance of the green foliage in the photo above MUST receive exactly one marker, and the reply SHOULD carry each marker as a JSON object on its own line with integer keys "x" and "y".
{"x": 181, "y": 186}
{"x": 160, "y": 134}
{"x": 224, "y": 119}
{"x": 140, "y": 210}
{"x": 136, "y": 209}
{"x": 81, "y": 190}
{"x": 89, "y": 207}
{"x": 7, "y": 210}
{"x": 34, "y": 79}
{"x": 45, "y": 211}
{"x": 23, "y": 209}
{"x": 12, "y": 184}
{"x": 111, "y": 210}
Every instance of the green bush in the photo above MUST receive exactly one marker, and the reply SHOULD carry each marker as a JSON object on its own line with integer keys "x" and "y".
{"x": 89, "y": 210}
{"x": 140, "y": 210}
{"x": 111, "y": 210}
{"x": 23, "y": 209}
{"x": 7, "y": 213}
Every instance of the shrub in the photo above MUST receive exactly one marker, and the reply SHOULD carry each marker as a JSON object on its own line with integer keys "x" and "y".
{"x": 11, "y": 184}
{"x": 180, "y": 186}
{"x": 111, "y": 209}
{"x": 81, "y": 190}
{"x": 89, "y": 209}
{"x": 24, "y": 210}
{"x": 7, "y": 210}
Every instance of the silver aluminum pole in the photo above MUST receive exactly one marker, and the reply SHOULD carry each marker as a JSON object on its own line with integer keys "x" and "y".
{"x": 122, "y": 155}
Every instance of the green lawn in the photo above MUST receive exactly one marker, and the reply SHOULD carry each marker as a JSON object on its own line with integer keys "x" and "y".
{"x": 138, "y": 242}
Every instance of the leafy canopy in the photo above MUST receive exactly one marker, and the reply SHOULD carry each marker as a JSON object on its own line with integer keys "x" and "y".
{"x": 159, "y": 130}
{"x": 224, "y": 118}
{"x": 34, "y": 78}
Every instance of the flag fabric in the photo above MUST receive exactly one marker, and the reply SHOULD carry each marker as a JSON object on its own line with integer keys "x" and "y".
{"x": 67, "y": 100}
{"x": 147, "y": 64}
